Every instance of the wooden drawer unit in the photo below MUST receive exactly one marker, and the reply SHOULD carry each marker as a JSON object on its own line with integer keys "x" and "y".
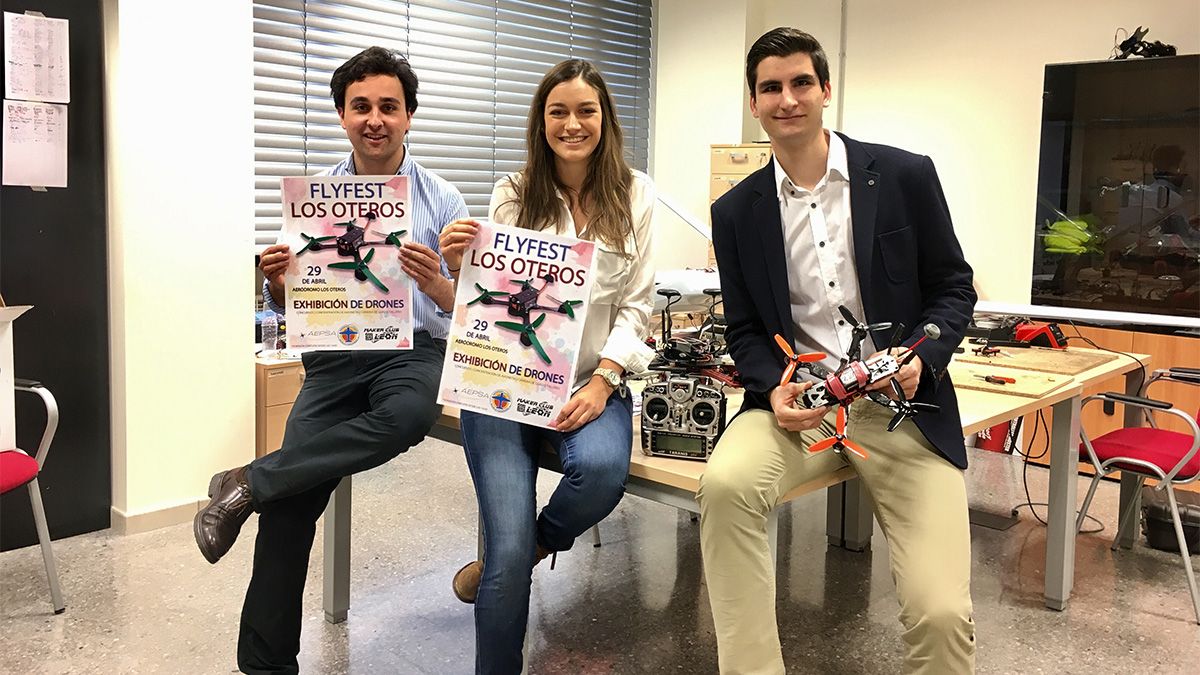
{"x": 728, "y": 165}
{"x": 277, "y": 382}
{"x": 741, "y": 160}
{"x": 720, "y": 184}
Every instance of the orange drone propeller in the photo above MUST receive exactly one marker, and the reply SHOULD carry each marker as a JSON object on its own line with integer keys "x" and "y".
{"x": 794, "y": 359}
{"x": 838, "y": 441}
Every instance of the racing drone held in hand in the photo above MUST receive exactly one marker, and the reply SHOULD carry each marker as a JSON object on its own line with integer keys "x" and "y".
{"x": 348, "y": 245}
{"x": 852, "y": 379}
{"x": 521, "y": 303}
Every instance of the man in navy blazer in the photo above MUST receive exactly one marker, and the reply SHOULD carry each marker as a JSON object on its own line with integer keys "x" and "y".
{"x": 831, "y": 222}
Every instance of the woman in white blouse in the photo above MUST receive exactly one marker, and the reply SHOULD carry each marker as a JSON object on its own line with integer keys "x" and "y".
{"x": 576, "y": 183}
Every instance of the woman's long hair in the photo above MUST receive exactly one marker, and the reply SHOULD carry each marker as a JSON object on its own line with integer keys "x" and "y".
{"x": 606, "y": 189}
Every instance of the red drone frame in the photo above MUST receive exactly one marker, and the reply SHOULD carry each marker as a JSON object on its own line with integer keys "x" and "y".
{"x": 851, "y": 381}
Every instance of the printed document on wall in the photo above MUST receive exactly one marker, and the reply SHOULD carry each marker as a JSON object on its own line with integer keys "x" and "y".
{"x": 37, "y": 65}
{"x": 35, "y": 144}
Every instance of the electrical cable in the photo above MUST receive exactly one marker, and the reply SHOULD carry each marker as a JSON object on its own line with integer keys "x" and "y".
{"x": 1079, "y": 335}
{"x": 1116, "y": 43}
{"x": 1028, "y": 456}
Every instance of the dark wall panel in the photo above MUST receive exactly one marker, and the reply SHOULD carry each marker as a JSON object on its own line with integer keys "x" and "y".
{"x": 53, "y": 255}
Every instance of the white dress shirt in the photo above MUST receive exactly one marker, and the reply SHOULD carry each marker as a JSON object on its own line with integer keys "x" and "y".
{"x": 621, "y": 301}
{"x": 819, "y": 245}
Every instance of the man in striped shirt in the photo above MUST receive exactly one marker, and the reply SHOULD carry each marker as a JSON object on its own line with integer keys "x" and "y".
{"x": 356, "y": 410}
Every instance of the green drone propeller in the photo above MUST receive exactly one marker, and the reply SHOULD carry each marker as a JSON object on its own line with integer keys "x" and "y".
{"x": 313, "y": 243}
{"x": 392, "y": 238}
{"x": 485, "y": 294}
{"x": 528, "y": 337}
{"x": 361, "y": 271}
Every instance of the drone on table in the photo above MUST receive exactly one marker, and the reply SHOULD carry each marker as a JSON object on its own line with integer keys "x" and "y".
{"x": 852, "y": 378}
{"x": 348, "y": 245}
{"x": 523, "y": 302}
{"x": 699, "y": 355}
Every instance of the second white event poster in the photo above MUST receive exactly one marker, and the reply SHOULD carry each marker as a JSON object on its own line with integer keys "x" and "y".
{"x": 345, "y": 288}
{"x": 518, "y": 321}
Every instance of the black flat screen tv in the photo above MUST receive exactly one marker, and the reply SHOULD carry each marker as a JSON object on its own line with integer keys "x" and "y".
{"x": 1117, "y": 225}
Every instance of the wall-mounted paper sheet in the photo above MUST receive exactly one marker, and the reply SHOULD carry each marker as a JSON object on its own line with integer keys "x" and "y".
{"x": 35, "y": 144}
{"x": 37, "y": 65}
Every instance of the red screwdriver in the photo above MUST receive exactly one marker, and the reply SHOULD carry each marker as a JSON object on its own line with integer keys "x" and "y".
{"x": 997, "y": 379}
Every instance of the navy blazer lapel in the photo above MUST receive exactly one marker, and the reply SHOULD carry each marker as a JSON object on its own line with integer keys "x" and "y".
{"x": 864, "y": 204}
{"x": 764, "y": 215}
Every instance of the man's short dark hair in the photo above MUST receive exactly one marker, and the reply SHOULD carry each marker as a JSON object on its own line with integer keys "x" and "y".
{"x": 374, "y": 61}
{"x": 785, "y": 42}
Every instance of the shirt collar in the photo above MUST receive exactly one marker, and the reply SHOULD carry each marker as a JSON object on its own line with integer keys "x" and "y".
{"x": 838, "y": 166}
{"x": 405, "y": 169}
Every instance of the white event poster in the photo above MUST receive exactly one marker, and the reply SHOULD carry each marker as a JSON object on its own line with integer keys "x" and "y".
{"x": 519, "y": 310}
{"x": 345, "y": 287}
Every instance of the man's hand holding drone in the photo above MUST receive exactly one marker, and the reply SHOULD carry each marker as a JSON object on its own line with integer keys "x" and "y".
{"x": 908, "y": 378}
{"x": 788, "y": 414}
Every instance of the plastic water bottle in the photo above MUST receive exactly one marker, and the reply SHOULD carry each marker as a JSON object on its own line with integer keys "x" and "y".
{"x": 270, "y": 334}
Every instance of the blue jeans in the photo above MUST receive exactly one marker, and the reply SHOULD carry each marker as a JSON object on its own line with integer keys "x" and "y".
{"x": 502, "y": 456}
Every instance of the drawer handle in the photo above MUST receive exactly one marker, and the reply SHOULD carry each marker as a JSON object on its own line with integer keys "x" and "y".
{"x": 275, "y": 373}
{"x": 739, "y": 157}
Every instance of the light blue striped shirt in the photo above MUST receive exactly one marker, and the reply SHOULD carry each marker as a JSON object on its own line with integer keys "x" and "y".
{"x": 434, "y": 203}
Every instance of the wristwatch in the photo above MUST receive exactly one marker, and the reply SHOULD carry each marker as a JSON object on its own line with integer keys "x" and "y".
{"x": 610, "y": 377}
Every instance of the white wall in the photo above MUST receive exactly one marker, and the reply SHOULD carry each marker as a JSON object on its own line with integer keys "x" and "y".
{"x": 699, "y": 52}
{"x": 960, "y": 82}
{"x": 701, "y": 99}
{"x": 181, "y": 175}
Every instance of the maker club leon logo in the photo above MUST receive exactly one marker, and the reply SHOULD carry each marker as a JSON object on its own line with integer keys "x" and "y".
{"x": 501, "y": 400}
{"x": 348, "y": 334}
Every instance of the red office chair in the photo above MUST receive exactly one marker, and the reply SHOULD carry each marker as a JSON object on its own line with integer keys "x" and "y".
{"x": 1149, "y": 452}
{"x": 17, "y": 468}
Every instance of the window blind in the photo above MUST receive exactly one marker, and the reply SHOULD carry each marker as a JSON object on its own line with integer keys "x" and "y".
{"x": 478, "y": 64}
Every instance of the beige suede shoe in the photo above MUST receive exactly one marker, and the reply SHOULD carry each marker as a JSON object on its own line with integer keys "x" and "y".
{"x": 466, "y": 580}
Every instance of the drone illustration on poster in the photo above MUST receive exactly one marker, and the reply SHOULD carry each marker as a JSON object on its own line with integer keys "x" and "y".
{"x": 521, "y": 304}
{"x": 852, "y": 378}
{"x": 350, "y": 244}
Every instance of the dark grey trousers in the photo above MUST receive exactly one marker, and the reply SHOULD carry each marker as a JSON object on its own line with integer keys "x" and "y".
{"x": 355, "y": 411}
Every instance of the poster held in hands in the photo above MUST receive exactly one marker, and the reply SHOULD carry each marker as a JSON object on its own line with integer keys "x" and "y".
{"x": 344, "y": 287}
{"x": 522, "y": 300}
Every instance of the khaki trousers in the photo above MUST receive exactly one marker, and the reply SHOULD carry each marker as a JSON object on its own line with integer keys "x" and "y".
{"x": 921, "y": 504}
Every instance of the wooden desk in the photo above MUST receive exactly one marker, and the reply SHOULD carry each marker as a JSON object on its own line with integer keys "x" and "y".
{"x": 848, "y": 521}
{"x": 981, "y": 410}
{"x": 669, "y": 481}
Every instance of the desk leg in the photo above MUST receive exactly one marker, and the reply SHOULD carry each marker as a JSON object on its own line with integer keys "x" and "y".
{"x": 1129, "y": 482}
{"x": 848, "y": 516}
{"x": 336, "y": 598}
{"x": 1064, "y": 483}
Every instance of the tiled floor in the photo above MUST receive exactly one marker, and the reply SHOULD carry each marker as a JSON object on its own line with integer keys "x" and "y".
{"x": 149, "y": 603}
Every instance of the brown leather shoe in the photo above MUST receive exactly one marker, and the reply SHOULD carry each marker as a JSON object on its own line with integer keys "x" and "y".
{"x": 217, "y": 525}
{"x": 466, "y": 580}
